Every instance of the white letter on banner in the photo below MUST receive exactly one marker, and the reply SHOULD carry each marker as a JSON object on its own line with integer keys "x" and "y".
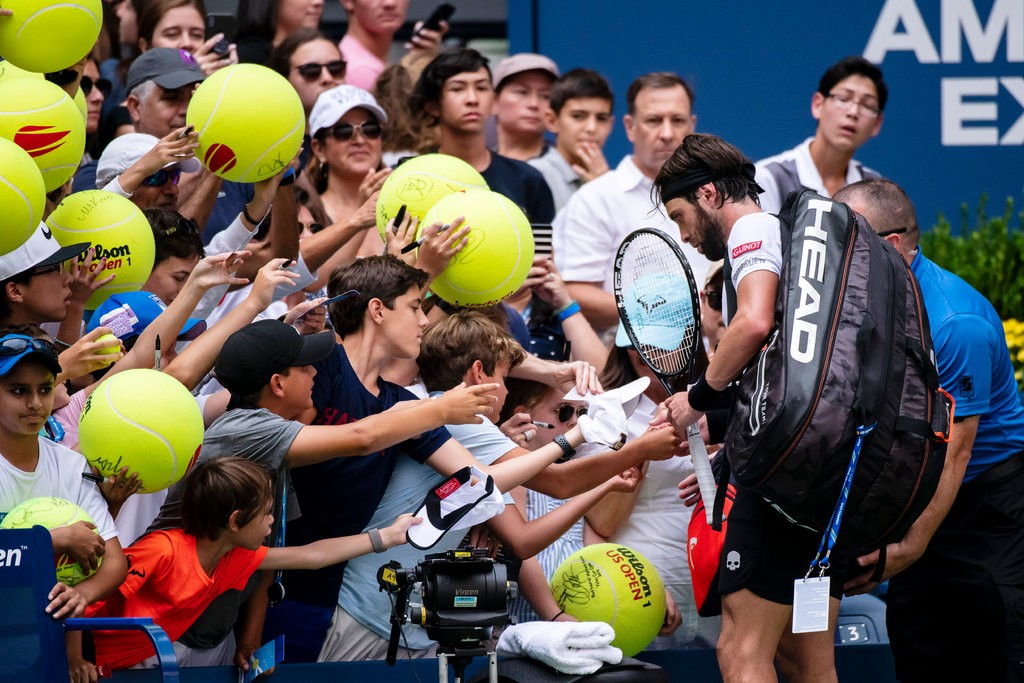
{"x": 955, "y": 111}
{"x": 1015, "y": 135}
{"x": 961, "y": 16}
{"x": 885, "y": 37}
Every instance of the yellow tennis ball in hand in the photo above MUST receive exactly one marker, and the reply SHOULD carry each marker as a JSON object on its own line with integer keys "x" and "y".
{"x": 145, "y": 420}
{"x": 52, "y": 513}
{"x": 611, "y": 583}
{"x": 499, "y": 254}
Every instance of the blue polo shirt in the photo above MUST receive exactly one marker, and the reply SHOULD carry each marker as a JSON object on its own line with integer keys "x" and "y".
{"x": 974, "y": 363}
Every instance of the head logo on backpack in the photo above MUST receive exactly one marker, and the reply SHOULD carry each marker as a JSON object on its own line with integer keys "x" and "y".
{"x": 850, "y": 348}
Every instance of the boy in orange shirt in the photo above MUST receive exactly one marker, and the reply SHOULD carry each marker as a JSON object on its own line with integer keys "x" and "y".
{"x": 174, "y": 575}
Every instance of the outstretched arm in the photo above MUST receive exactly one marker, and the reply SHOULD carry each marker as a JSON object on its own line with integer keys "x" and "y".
{"x": 330, "y": 551}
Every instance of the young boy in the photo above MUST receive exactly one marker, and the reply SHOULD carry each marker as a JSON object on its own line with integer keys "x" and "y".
{"x": 580, "y": 116}
{"x": 522, "y": 89}
{"x": 33, "y": 466}
{"x": 174, "y": 575}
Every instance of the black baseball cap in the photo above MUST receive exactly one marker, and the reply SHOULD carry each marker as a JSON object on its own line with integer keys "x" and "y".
{"x": 253, "y": 354}
{"x": 169, "y": 68}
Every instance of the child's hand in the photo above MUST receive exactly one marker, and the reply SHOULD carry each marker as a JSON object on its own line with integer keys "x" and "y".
{"x": 82, "y": 670}
{"x": 81, "y": 542}
{"x": 218, "y": 270}
{"x": 437, "y": 248}
{"x": 520, "y": 428}
{"x": 268, "y": 278}
{"x": 464, "y": 405}
{"x": 625, "y": 482}
{"x": 65, "y": 602}
{"x": 84, "y": 357}
{"x": 84, "y": 277}
{"x": 117, "y": 488}
{"x": 398, "y": 237}
{"x": 308, "y": 317}
{"x": 396, "y": 533}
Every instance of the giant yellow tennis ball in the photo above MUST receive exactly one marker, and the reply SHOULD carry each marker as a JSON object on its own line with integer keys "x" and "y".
{"x": 611, "y": 583}
{"x": 241, "y": 138}
{"x": 143, "y": 419}
{"x": 40, "y": 118}
{"x": 22, "y": 196}
{"x": 421, "y": 182}
{"x": 498, "y": 256}
{"x": 118, "y": 232}
{"x": 49, "y": 35}
{"x": 52, "y": 513}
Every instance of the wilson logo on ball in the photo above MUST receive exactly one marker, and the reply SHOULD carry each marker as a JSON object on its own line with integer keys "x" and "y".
{"x": 219, "y": 157}
{"x": 40, "y": 140}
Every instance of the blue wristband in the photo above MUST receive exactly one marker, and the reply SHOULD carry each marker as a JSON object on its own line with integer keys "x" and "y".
{"x": 570, "y": 310}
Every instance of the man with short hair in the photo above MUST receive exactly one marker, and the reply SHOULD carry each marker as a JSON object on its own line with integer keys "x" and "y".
{"x": 709, "y": 191}
{"x": 962, "y": 562}
{"x": 149, "y": 184}
{"x": 588, "y": 231}
{"x": 522, "y": 87}
{"x": 580, "y": 116}
{"x": 160, "y": 86}
{"x": 848, "y": 107}
{"x": 455, "y": 91}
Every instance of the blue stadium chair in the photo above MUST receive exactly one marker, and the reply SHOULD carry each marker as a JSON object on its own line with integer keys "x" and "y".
{"x": 861, "y": 621}
{"x": 31, "y": 641}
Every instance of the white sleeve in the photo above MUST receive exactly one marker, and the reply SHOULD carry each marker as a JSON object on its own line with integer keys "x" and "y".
{"x": 232, "y": 238}
{"x": 306, "y": 278}
{"x": 755, "y": 244}
{"x": 770, "y": 201}
{"x": 115, "y": 187}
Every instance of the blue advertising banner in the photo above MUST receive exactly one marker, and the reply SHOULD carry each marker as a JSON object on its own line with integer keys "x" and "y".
{"x": 953, "y": 128}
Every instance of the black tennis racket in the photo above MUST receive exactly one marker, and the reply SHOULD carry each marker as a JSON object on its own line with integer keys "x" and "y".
{"x": 659, "y": 306}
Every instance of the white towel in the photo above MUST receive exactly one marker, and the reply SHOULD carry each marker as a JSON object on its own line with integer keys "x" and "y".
{"x": 567, "y": 646}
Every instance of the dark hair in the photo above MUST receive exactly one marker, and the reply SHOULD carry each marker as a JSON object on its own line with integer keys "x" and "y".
{"x": 281, "y": 57}
{"x": 5, "y": 304}
{"x": 376, "y": 277}
{"x": 217, "y": 487}
{"x": 522, "y": 392}
{"x": 256, "y": 19}
{"x": 854, "y": 66}
{"x": 150, "y": 12}
{"x": 726, "y": 164}
{"x": 656, "y": 79}
{"x": 577, "y": 84}
{"x": 890, "y": 207}
{"x": 405, "y": 131}
{"x": 449, "y": 63}
{"x": 451, "y": 346}
{"x": 174, "y": 235}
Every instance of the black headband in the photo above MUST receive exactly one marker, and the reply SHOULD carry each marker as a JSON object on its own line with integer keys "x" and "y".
{"x": 684, "y": 184}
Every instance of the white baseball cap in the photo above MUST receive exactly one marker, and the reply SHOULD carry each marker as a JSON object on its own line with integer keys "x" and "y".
{"x": 332, "y": 104}
{"x": 125, "y": 150}
{"x": 38, "y": 251}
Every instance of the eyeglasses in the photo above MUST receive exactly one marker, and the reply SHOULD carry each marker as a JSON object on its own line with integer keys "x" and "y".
{"x": 894, "y": 231}
{"x": 160, "y": 178}
{"x": 565, "y": 412}
{"x": 844, "y": 100}
{"x": 343, "y": 132}
{"x": 714, "y": 297}
{"x": 15, "y": 344}
{"x": 312, "y": 70}
{"x": 100, "y": 83}
{"x": 56, "y": 267}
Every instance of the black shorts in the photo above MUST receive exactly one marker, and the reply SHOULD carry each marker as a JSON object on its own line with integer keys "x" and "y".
{"x": 764, "y": 552}
{"x": 958, "y": 612}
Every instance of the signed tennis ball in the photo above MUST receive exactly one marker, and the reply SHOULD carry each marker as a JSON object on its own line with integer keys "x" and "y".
{"x": 40, "y": 118}
{"x": 118, "y": 232}
{"x": 143, "y": 419}
{"x": 498, "y": 256}
{"x": 611, "y": 583}
{"x": 421, "y": 182}
{"x": 22, "y": 196}
{"x": 52, "y": 513}
{"x": 250, "y": 122}
{"x": 49, "y": 35}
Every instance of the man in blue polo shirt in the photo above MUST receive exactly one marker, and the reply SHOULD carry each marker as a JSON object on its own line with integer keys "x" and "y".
{"x": 956, "y": 599}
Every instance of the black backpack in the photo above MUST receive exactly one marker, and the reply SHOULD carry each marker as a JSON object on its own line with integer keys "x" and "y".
{"x": 850, "y": 347}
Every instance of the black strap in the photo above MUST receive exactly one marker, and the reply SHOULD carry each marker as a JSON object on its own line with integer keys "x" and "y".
{"x": 721, "y": 491}
{"x": 876, "y": 576}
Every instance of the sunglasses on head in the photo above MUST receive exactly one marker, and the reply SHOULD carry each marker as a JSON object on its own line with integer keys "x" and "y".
{"x": 714, "y": 299}
{"x": 343, "y": 132}
{"x": 160, "y": 178}
{"x": 312, "y": 70}
{"x": 14, "y": 344}
{"x": 184, "y": 226}
{"x": 566, "y": 411}
{"x": 100, "y": 83}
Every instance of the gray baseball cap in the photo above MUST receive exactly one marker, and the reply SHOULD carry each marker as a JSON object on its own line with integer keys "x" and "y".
{"x": 168, "y": 67}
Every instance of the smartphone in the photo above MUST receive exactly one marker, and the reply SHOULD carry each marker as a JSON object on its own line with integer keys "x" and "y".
{"x": 220, "y": 23}
{"x": 442, "y": 12}
{"x": 541, "y": 238}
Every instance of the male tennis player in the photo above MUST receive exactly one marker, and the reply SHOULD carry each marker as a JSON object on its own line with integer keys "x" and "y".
{"x": 708, "y": 189}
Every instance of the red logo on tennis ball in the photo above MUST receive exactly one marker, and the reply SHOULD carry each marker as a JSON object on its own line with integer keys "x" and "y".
{"x": 40, "y": 140}
{"x": 220, "y": 157}
{"x": 195, "y": 456}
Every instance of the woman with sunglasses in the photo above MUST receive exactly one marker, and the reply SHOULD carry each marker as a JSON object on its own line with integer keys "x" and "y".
{"x": 346, "y": 125}
{"x": 652, "y": 519}
{"x": 311, "y": 62}
{"x": 712, "y": 325}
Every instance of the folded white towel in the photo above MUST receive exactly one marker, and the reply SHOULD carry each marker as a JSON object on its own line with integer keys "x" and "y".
{"x": 566, "y": 646}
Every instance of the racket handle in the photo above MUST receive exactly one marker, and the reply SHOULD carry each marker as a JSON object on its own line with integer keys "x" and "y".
{"x": 702, "y": 468}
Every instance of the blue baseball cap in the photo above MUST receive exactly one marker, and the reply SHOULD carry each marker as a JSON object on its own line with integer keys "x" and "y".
{"x": 14, "y": 348}
{"x": 659, "y": 311}
{"x": 129, "y": 313}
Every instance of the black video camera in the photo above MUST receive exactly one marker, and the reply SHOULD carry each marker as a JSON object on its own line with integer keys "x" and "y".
{"x": 465, "y": 593}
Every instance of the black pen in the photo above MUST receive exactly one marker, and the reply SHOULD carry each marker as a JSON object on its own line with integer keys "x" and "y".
{"x": 89, "y": 476}
{"x": 414, "y": 245}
